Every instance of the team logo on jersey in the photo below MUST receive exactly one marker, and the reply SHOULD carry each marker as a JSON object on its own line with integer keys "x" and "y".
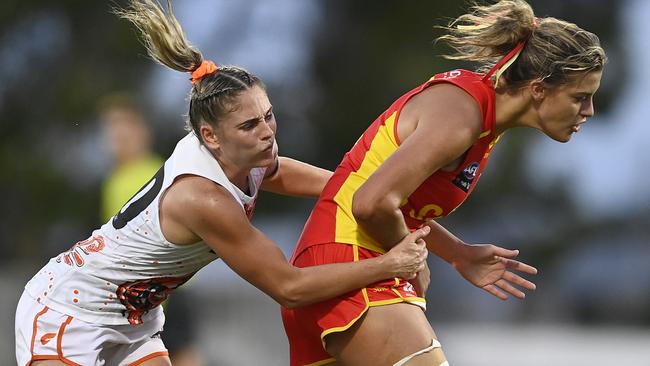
{"x": 449, "y": 74}
{"x": 138, "y": 297}
{"x": 47, "y": 337}
{"x": 465, "y": 178}
{"x": 80, "y": 250}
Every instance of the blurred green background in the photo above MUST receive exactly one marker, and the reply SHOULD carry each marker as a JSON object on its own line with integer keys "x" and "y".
{"x": 579, "y": 212}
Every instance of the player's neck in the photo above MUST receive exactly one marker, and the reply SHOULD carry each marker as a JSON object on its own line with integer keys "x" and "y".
{"x": 235, "y": 174}
{"x": 513, "y": 109}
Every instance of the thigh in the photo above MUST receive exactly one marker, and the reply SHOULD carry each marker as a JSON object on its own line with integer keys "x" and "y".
{"x": 150, "y": 353}
{"x": 306, "y": 325}
{"x": 139, "y": 345}
{"x": 383, "y": 336}
{"x": 47, "y": 337}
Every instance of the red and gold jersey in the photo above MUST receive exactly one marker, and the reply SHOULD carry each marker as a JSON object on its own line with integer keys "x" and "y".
{"x": 441, "y": 193}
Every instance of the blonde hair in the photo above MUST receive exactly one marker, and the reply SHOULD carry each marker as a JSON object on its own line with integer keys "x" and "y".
{"x": 554, "y": 49}
{"x": 214, "y": 94}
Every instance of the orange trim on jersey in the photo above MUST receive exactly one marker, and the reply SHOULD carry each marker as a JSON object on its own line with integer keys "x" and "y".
{"x": 149, "y": 357}
{"x": 59, "y": 340}
{"x": 43, "y": 358}
{"x": 31, "y": 349}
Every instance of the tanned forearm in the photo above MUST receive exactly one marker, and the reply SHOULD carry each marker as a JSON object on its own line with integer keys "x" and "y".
{"x": 443, "y": 243}
{"x": 381, "y": 219}
{"x": 387, "y": 228}
{"x": 313, "y": 284}
{"x": 295, "y": 178}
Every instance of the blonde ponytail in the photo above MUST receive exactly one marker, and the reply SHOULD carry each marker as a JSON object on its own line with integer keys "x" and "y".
{"x": 214, "y": 91}
{"x": 163, "y": 35}
{"x": 553, "y": 49}
{"x": 489, "y": 32}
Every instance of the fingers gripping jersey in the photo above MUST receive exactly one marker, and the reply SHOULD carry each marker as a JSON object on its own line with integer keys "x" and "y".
{"x": 441, "y": 193}
{"x": 127, "y": 268}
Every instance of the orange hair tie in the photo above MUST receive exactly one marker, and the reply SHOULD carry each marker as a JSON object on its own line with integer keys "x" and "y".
{"x": 207, "y": 67}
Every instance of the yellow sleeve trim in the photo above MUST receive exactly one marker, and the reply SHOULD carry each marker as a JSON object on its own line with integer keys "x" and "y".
{"x": 484, "y": 133}
{"x": 323, "y": 362}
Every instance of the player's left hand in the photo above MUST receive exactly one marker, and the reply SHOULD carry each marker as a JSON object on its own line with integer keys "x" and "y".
{"x": 491, "y": 268}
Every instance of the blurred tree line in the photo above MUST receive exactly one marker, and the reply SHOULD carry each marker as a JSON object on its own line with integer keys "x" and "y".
{"x": 58, "y": 59}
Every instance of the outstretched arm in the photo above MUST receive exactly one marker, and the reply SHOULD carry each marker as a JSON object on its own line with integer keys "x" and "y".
{"x": 209, "y": 212}
{"x": 484, "y": 265}
{"x": 294, "y": 178}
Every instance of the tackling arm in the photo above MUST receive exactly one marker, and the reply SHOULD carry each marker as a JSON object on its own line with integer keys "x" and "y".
{"x": 212, "y": 214}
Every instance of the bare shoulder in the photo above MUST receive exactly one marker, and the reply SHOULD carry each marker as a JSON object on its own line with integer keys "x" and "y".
{"x": 444, "y": 96}
{"x": 441, "y": 104}
{"x": 191, "y": 193}
{"x": 193, "y": 203}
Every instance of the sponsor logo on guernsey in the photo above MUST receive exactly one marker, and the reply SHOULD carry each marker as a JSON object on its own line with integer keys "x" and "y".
{"x": 409, "y": 289}
{"x": 379, "y": 289}
{"x": 465, "y": 178}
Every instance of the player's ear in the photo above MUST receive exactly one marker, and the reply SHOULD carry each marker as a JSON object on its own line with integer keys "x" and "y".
{"x": 537, "y": 89}
{"x": 209, "y": 136}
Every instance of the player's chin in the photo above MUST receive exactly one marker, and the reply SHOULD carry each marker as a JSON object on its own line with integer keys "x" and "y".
{"x": 266, "y": 161}
{"x": 566, "y": 138}
{"x": 561, "y": 136}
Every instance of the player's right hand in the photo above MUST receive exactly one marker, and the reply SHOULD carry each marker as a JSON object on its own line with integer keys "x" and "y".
{"x": 409, "y": 256}
{"x": 492, "y": 268}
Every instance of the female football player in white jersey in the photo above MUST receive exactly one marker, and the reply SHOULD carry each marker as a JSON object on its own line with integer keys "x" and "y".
{"x": 99, "y": 302}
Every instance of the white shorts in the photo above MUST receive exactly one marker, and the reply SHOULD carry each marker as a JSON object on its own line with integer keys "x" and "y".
{"x": 45, "y": 334}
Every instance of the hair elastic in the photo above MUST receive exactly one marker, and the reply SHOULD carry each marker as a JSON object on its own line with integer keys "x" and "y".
{"x": 207, "y": 67}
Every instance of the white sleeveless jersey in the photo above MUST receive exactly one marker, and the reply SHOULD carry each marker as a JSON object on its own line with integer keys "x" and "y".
{"x": 122, "y": 273}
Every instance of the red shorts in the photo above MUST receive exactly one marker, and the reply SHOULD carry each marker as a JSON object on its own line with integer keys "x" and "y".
{"x": 306, "y": 327}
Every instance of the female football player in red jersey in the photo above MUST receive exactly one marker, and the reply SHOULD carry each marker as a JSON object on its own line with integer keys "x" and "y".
{"x": 419, "y": 161}
{"x": 99, "y": 302}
